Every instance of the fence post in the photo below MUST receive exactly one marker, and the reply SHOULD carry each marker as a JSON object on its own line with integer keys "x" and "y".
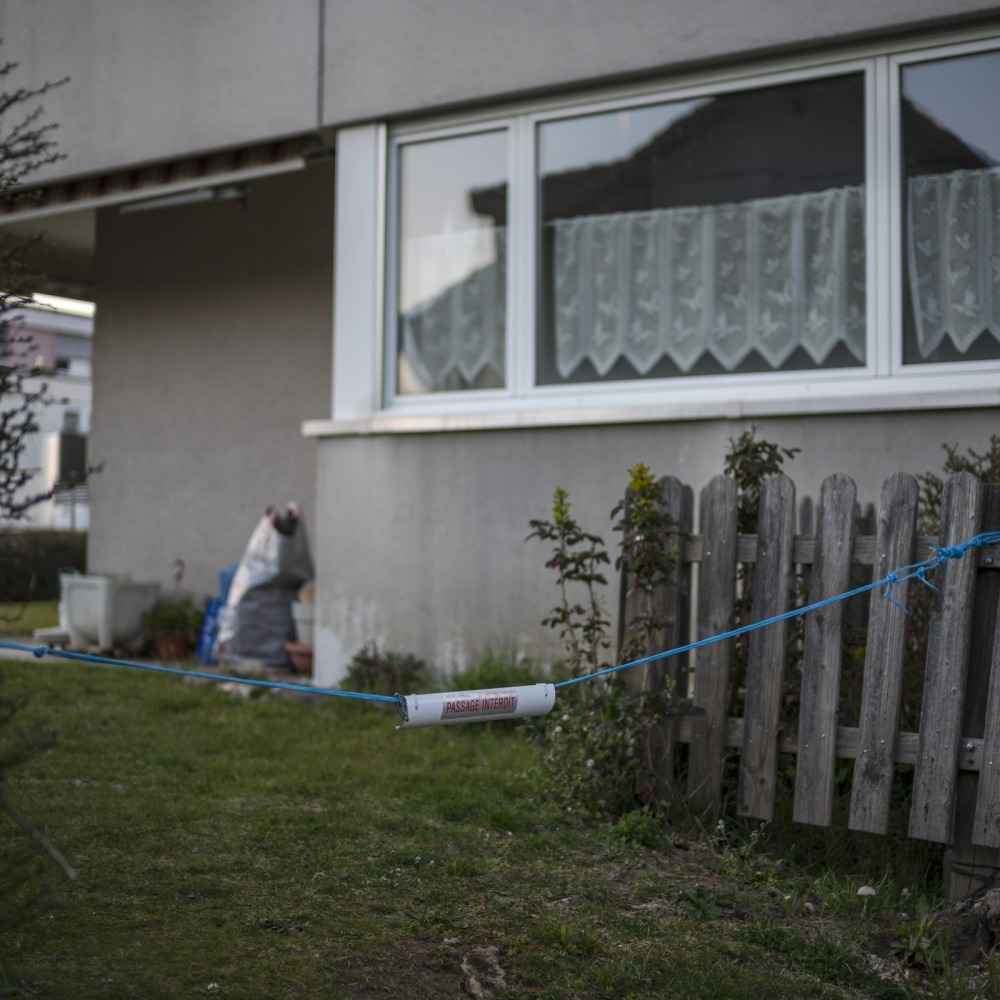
{"x": 933, "y": 803}
{"x": 673, "y": 613}
{"x": 882, "y": 686}
{"x": 975, "y": 855}
{"x": 831, "y": 568}
{"x": 716, "y": 597}
{"x": 766, "y": 648}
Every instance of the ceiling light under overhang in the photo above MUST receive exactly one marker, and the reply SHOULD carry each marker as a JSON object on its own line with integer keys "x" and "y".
{"x": 224, "y": 192}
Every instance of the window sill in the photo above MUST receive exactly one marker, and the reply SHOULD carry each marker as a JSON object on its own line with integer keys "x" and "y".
{"x": 917, "y": 392}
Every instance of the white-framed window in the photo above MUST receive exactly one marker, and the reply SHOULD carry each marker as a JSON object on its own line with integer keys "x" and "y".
{"x": 798, "y": 238}
{"x": 949, "y": 173}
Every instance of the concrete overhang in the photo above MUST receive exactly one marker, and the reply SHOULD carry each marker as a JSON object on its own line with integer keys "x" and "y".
{"x": 61, "y": 217}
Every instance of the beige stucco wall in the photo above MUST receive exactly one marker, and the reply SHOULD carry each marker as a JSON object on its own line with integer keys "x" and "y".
{"x": 151, "y": 80}
{"x": 421, "y": 539}
{"x": 396, "y": 57}
{"x": 211, "y": 346}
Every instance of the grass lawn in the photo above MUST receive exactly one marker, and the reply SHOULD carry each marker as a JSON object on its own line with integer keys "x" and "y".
{"x": 269, "y": 848}
{"x": 24, "y": 618}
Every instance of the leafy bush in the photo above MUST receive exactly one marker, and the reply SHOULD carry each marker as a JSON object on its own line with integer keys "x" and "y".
{"x": 591, "y": 755}
{"x": 607, "y": 729}
{"x": 375, "y": 672}
{"x": 984, "y": 465}
{"x": 182, "y": 618}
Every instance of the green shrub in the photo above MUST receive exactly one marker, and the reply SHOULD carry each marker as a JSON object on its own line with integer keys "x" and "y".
{"x": 591, "y": 754}
{"x": 375, "y": 672}
{"x": 595, "y": 757}
{"x": 30, "y": 561}
{"x": 181, "y": 617}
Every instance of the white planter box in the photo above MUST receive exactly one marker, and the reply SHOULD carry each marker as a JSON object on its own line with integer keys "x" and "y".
{"x": 106, "y": 611}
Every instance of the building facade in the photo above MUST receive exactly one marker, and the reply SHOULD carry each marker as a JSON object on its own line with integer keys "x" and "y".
{"x": 415, "y": 266}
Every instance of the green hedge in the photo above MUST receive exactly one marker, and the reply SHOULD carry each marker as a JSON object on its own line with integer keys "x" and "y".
{"x": 30, "y": 562}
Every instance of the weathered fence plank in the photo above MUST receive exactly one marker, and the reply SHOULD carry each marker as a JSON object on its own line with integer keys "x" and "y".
{"x": 956, "y": 753}
{"x": 766, "y": 648}
{"x": 987, "y": 819}
{"x": 716, "y": 597}
{"x": 882, "y": 684}
{"x": 932, "y": 806}
{"x": 987, "y": 822}
{"x": 671, "y": 610}
{"x": 820, "y": 698}
{"x": 974, "y": 860}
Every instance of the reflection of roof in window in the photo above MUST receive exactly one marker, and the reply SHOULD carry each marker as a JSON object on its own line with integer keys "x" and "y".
{"x": 788, "y": 139}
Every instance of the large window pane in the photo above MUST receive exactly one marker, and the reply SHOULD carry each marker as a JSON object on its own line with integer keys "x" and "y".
{"x": 452, "y": 264}
{"x": 708, "y": 236}
{"x": 951, "y": 209}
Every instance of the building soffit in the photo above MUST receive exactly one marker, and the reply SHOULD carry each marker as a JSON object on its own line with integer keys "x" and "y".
{"x": 138, "y": 183}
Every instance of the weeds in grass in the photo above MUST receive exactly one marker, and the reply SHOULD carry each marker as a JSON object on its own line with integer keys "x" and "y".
{"x": 744, "y": 859}
{"x": 699, "y": 903}
{"x": 640, "y": 828}
{"x": 917, "y": 943}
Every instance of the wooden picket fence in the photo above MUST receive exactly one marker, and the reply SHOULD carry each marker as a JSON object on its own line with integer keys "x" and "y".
{"x": 955, "y": 754}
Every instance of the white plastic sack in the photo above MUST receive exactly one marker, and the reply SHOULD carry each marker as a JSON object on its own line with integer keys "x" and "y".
{"x": 257, "y": 620}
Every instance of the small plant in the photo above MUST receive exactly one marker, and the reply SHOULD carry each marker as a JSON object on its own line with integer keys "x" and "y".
{"x": 640, "y": 827}
{"x": 918, "y": 944}
{"x": 376, "y": 672}
{"x": 744, "y": 860}
{"x": 698, "y": 903}
{"x": 644, "y": 524}
{"x": 750, "y": 461}
{"x": 574, "y": 940}
{"x": 181, "y": 618}
{"x": 578, "y": 558}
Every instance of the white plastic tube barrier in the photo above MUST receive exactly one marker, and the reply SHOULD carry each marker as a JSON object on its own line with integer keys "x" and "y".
{"x": 452, "y": 707}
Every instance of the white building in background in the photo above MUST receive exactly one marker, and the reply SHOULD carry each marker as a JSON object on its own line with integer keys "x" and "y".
{"x": 59, "y": 336}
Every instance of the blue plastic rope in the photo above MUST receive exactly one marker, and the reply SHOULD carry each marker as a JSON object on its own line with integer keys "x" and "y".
{"x": 40, "y": 651}
{"x": 913, "y": 571}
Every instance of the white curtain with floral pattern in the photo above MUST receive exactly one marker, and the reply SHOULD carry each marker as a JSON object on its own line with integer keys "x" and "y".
{"x": 954, "y": 257}
{"x": 771, "y": 276}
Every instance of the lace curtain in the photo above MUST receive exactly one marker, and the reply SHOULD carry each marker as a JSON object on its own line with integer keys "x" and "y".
{"x": 771, "y": 275}
{"x": 462, "y": 327}
{"x": 954, "y": 257}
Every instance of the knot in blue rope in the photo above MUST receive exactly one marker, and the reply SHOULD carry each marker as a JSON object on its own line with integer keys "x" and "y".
{"x": 40, "y": 651}
{"x": 890, "y": 581}
{"x": 953, "y": 551}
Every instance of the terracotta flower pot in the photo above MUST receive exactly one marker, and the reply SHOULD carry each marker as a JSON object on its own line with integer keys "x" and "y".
{"x": 301, "y": 656}
{"x": 172, "y": 645}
